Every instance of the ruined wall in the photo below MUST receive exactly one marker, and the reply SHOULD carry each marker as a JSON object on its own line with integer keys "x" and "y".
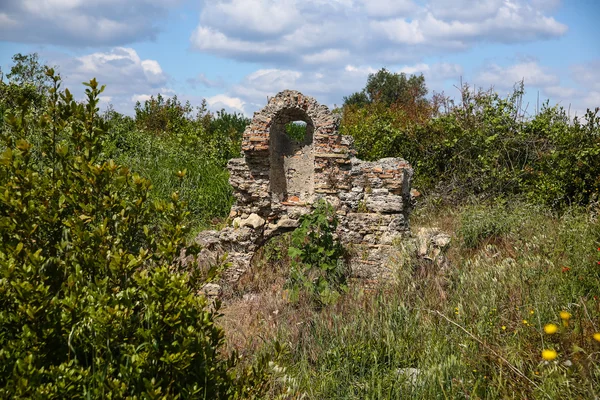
{"x": 278, "y": 180}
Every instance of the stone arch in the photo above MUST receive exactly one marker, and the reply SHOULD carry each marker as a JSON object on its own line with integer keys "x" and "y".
{"x": 286, "y": 172}
{"x": 291, "y": 173}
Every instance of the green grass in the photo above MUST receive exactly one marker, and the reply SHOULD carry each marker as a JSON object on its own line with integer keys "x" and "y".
{"x": 205, "y": 186}
{"x": 475, "y": 331}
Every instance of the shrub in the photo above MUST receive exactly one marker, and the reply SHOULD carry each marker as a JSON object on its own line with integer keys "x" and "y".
{"x": 486, "y": 146}
{"x": 91, "y": 300}
{"x": 205, "y": 188}
{"x": 317, "y": 267}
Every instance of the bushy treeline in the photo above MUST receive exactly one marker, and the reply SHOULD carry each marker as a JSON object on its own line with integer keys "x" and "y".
{"x": 482, "y": 145}
{"x": 162, "y": 138}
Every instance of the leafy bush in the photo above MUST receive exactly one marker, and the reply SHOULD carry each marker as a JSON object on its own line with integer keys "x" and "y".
{"x": 91, "y": 301}
{"x": 317, "y": 267}
{"x": 221, "y": 138}
{"x": 205, "y": 189}
{"x": 165, "y": 139}
{"x": 485, "y": 146}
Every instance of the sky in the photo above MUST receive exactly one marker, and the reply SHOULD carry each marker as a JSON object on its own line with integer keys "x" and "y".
{"x": 237, "y": 53}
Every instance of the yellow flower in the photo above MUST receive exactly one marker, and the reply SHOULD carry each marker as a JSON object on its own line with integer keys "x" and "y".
{"x": 549, "y": 355}
{"x": 525, "y": 322}
{"x": 565, "y": 315}
{"x": 550, "y": 329}
{"x": 503, "y": 327}
{"x": 531, "y": 312}
{"x": 596, "y": 336}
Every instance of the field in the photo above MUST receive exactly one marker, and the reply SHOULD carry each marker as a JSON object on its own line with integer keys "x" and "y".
{"x": 96, "y": 208}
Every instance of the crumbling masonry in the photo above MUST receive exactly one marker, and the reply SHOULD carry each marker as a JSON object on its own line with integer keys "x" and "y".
{"x": 279, "y": 179}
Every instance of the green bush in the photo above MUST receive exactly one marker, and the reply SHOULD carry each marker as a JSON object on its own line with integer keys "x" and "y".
{"x": 317, "y": 267}
{"x": 206, "y": 188}
{"x": 485, "y": 146}
{"x": 92, "y": 304}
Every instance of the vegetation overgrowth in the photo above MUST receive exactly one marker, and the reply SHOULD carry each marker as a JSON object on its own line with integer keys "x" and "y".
{"x": 483, "y": 145}
{"x": 477, "y": 330}
{"x": 94, "y": 301}
{"x": 95, "y": 208}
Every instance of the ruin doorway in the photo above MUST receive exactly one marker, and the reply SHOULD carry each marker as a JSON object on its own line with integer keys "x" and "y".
{"x": 291, "y": 156}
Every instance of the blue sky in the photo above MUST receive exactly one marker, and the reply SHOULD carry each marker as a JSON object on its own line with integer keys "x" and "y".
{"x": 235, "y": 53}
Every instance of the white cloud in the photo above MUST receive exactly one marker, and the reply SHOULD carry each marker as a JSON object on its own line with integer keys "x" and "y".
{"x": 530, "y": 72}
{"x": 263, "y": 18}
{"x": 81, "y": 22}
{"x": 140, "y": 97}
{"x": 360, "y": 70}
{"x": 6, "y": 21}
{"x": 127, "y": 77}
{"x": 399, "y": 30}
{"x": 414, "y": 69}
{"x": 311, "y": 32}
{"x": 230, "y": 104}
{"x": 560, "y": 92}
{"x": 328, "y": 56}
{"x": 587, "y": 74}
{"x": 202, "y": 79}
{"x": 386, "y": 8}
{"x": 465, "y": 10}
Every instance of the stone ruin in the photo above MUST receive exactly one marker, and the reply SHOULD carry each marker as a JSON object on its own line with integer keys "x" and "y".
{"x": 280, "y": 178}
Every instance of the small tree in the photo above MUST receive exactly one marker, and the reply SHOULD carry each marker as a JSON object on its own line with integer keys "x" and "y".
{"x": 318, "y": 269}
{"x": 390, "y": 88}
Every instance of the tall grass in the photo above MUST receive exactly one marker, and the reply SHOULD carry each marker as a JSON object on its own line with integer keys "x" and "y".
{"x": 205, "y": 186}
{"x": 475, "y": 331}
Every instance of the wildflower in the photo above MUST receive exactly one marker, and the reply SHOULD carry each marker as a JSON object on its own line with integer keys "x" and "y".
{"x": 549, "y": 354}
{"x": 550, "y": 329}
{"x": 565, "y": 315}
{"x": 503, "y": 327}
{"x": 596, "y": 336}
{"x": 531, "y": 312}
{"x": 525, "y": 322}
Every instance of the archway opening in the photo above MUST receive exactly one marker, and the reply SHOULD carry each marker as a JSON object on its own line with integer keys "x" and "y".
{"x": 291, "y": 156}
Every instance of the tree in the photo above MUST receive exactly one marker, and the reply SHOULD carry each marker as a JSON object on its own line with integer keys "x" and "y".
{"x": 358, "y": 99}
{"x": 26, "y": 82}
{"x": 28, "y": 70}
{"x": 390, "y": 88}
